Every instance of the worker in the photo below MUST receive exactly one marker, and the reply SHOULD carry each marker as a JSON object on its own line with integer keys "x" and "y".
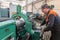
{"x": 52, "y": 22}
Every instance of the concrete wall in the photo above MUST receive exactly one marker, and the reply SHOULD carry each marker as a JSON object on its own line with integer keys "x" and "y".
{"x": 56, "y": 3}
{"x": 35, "y": 7}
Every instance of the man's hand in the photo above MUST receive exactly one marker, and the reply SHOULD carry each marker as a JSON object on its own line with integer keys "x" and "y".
{"x": 42, "y": 30}
{"x": 42, "y": 27}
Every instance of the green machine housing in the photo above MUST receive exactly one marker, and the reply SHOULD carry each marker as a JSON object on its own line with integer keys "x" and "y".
{"x": 7, "y": 30}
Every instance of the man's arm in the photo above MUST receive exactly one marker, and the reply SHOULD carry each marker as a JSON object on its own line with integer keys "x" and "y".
{"x": 44, "y": 22}
{"x": 50, "y": 23}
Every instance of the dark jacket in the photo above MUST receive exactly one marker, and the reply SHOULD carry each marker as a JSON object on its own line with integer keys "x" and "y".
{"x": 53, "y": 24}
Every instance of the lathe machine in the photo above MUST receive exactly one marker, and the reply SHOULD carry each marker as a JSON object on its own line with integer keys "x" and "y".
{"x": 19, "y": 27}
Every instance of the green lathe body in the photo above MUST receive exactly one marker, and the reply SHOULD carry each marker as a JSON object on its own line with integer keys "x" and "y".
{"x": 7, "y": 30}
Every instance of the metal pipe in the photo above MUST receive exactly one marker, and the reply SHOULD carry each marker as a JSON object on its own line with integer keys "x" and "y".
{"x": 26, "y": 5}
{"x": 32, "y": 6}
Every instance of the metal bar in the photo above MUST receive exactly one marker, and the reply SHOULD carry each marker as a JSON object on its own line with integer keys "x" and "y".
{"x": 34, "y": 2}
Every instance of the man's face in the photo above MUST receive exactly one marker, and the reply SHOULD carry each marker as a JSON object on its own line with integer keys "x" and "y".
{"x": 44, "y": 10}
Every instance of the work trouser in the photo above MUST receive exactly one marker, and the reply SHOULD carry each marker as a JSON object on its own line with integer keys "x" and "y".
{"x": 55, "y": 33}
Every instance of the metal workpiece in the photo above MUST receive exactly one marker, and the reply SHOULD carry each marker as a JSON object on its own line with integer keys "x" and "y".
{"x": 20, "y": 23}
